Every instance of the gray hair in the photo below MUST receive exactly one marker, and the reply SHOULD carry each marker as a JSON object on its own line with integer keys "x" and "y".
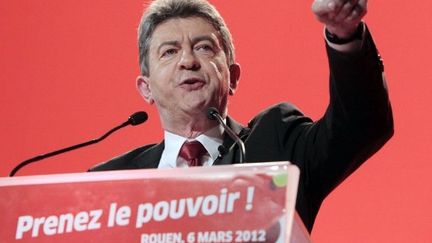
{"x": 162, "y": 10}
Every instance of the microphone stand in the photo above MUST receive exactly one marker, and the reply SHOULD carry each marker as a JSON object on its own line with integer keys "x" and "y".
{"x": 135, "y": 119}
{"x": 213, "y": 113}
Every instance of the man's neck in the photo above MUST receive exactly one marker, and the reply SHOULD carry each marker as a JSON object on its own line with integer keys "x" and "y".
{"x": 190, "y": 127}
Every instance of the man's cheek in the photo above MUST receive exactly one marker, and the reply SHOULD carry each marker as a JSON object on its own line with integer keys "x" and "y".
{"x": 217, "y": 70}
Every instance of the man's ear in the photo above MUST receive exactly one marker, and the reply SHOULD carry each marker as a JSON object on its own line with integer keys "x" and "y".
{"x": 143, "y": 86}
{"x": 234, "y": 77}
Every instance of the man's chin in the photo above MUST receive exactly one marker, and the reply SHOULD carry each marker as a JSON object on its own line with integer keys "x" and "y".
{"x": 195, "y": 108}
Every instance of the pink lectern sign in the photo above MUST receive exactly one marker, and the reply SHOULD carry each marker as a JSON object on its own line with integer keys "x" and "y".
{"x": 236, "y": 203}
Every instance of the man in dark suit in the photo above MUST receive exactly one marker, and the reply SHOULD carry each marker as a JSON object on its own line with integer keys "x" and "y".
{"x": 187, "y": 65}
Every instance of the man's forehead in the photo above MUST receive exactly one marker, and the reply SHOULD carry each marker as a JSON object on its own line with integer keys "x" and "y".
{"x": 175, "y": 29}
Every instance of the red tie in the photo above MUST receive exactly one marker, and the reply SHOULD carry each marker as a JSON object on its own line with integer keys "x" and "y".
{"x": 192, "y": 152}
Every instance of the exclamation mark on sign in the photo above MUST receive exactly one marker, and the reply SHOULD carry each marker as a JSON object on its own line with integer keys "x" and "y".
{"x": 249, "y": 197}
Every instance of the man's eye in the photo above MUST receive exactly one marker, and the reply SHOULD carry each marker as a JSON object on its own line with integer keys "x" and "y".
{"x": 169, "y": 52}
{"x": 206, "y": 48}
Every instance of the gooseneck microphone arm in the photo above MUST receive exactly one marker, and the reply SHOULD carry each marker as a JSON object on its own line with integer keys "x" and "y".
{"x": 135, "y": 119}
{"x": 213, "y": 114}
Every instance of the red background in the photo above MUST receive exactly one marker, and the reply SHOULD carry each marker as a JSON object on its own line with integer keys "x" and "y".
{"x": 68, "y": 69}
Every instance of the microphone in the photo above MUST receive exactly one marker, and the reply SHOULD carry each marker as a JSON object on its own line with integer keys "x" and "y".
{"x": 213, "y": 114}
{"x": 135, "y": 119}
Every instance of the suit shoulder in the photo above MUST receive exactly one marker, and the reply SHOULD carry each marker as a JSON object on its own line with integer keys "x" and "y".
{"x": 124, "y": 161}
{"x": 284, "y": 111}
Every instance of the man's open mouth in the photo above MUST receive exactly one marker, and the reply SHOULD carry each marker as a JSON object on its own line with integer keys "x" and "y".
{"x": 192, "y": 84}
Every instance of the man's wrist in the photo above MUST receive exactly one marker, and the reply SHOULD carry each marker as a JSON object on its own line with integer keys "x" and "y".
{"x": 357, "y": 35}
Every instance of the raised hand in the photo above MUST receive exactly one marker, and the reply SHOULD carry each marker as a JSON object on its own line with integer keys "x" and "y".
{"x": 341, "y": 17}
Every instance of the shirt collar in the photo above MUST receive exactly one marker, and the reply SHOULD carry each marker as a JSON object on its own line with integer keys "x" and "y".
{"x": 211, "y": 140}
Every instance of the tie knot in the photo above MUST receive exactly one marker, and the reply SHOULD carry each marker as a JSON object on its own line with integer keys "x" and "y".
{"x": 192, "y": 152}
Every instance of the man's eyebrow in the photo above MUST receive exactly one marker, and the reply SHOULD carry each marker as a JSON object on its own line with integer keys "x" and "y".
{"x": 203, "y": 38}
{"x": 194, "y": 41}
{"x": 167, "y": 43}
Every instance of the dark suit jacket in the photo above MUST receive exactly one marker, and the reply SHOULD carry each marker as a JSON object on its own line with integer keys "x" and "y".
{"x": 358, "y": 121}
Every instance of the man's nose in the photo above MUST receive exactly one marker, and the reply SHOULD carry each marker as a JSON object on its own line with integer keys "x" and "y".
{"x": 189, "y": 61}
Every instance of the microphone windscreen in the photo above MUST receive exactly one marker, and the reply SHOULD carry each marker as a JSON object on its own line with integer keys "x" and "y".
{"x": 138, "y": 118}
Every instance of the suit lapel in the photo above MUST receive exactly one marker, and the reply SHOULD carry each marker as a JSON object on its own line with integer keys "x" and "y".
{"x": 149, "y": 158}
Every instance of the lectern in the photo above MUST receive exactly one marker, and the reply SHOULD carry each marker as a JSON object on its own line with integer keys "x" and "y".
{"x": 232, "y": 203}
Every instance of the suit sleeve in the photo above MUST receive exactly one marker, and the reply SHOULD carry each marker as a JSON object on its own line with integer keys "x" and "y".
{"x": 357, "y": 122}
